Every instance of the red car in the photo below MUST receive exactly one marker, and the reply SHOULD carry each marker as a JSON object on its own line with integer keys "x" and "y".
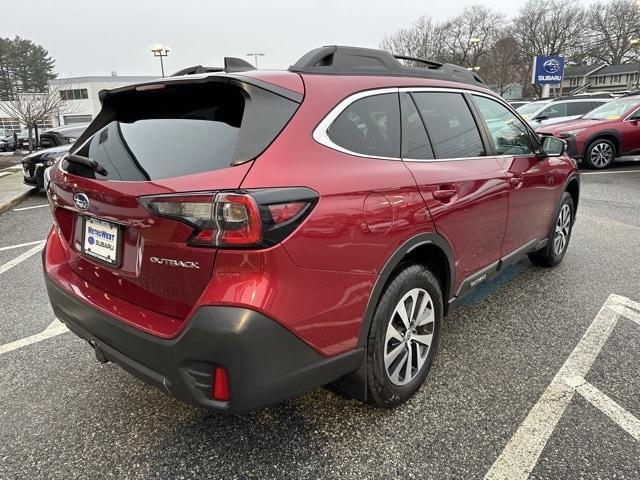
{"x": 240, "y": 237}
{"x": 611, "y": 130}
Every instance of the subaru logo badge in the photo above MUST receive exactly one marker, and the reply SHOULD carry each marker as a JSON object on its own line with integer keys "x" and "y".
{"x": 551, "y": 65}
{"x": 81, "y": 201}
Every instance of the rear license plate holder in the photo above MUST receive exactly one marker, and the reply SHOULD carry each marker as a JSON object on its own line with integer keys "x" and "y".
{"x": 101, "y": 240}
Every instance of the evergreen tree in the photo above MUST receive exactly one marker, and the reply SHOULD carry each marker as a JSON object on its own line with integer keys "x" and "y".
{"x": 25, "y": 67}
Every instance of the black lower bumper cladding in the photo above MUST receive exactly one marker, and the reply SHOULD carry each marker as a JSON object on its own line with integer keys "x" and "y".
{"x": 266, "y": 363}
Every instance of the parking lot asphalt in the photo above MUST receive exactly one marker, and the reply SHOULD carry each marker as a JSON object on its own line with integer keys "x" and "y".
{"x": 64, "y": 415}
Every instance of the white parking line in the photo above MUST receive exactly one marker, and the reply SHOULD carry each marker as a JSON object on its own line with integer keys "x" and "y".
{"x": 55, "y": 328}
{"x": 30, "y": 208}
{"x": 18, "y": 245}
{"x": 521, "y": 453}
{"x": 21, "y": 258}
{"x": 628, "y": 311}
{"x": 608, "y": 406}
{"x": 610, "y": 172}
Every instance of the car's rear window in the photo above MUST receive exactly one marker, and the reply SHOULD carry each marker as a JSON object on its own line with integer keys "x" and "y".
{"x": 183, "y": 129}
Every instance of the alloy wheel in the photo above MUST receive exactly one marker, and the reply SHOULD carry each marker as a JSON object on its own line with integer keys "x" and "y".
{"x": 601, "y": 155}
{"x": 409, "y": 336}
{"x": 563, "y": 229}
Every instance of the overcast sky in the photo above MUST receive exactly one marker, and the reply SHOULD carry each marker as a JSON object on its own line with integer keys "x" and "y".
{"x": 90, "y": 37}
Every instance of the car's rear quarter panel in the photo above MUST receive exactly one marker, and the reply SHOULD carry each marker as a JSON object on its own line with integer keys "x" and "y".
{"x": 338, "y": 252}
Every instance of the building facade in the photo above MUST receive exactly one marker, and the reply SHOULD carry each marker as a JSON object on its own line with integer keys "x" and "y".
{"x": 593, "y": 78}
{"x": 82, "y": 95}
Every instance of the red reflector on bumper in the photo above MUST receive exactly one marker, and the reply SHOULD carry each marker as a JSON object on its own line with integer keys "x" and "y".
{"x": 220, "y": 385}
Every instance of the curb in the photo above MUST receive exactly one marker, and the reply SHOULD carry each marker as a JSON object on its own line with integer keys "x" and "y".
{"x": 14, "y": 199}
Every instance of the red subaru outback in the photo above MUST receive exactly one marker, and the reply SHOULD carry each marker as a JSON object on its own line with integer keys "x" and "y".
{"x": 611, "y": 130}
{"x": 240, "y": 237}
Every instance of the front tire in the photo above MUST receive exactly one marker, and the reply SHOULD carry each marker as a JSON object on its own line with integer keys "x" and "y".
{"x": 553, "y": 253}
{"x": 600, "y": 154}
{"x": 404, "y": 336}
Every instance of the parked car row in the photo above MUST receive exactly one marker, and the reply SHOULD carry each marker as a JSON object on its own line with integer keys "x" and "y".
{"x": 612, "y": 130}
{"x": 53, "y": 137}
{"x": 58, "y": 140}
{"x": 597, "y": 128}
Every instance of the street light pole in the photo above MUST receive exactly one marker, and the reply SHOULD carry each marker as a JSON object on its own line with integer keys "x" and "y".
{"x": 160, "y": 51}
{"x": 255, "y": 56}
{"x": 474, "y": 42}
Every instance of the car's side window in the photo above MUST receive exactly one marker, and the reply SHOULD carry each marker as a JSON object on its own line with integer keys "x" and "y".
{"x": 510, "y": 135}
{"x": 369, "y": 126}
{"x": 415, "y": 142}
{"x": 554, "y": 110}
{"x": 580, "y": 108}
{"x": 452, "y": 129}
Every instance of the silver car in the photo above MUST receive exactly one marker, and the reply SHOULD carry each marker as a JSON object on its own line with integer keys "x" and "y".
{"x": 549, "y": 111}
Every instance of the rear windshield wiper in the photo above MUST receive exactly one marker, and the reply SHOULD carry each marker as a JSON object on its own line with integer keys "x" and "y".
{"x": 87, "y": 162}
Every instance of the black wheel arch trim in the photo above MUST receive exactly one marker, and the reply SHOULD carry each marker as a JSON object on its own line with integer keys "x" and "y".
{"x": 602, "y": 133}
{"x": 390, "y": 266}
{"x": 354, "y": 384}
{"x": 574, "y": 176}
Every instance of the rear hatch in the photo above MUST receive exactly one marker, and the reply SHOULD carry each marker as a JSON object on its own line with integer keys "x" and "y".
{"x": 119, "y": 197}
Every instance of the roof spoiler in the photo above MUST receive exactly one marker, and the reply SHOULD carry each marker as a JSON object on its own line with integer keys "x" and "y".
{"x": 231, "y": 65}
{"x": 339, "y": 60}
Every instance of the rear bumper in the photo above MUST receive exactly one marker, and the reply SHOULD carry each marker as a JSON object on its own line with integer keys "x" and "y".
{"x": 266, "y": 363}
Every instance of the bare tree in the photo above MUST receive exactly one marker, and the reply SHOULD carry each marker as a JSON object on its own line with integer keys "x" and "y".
{"x": 424, "y": 39}
{"x": 550, "y": 27}
{"x": 470, "y": 35}
{"x": 502, "y": 65}
{"x": 615, "y": 31}
{"x": 33, "y": 109}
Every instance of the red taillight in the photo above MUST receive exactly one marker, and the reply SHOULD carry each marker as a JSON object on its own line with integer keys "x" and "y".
{"x": 220, "y": 385}
{"x": 283, "y": 212}
{"x": 240, "y": 219}
{"x": 221, "y": 219}
{"x": 246, "y": 219}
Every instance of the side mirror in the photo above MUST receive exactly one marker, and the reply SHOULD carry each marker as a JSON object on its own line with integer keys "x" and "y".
{"x": 553, "y": 146}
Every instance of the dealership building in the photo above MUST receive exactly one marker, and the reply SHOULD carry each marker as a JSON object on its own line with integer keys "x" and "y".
{"x": 82, "y": 94}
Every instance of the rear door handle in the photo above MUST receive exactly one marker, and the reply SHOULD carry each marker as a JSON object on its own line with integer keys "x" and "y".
{"x": 445, "y": 192}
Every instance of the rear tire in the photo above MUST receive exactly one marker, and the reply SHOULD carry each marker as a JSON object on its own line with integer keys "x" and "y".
{"x": 559, "y": 236}
{"x": 404, "y": 336}
{"x": 599, "y": 154}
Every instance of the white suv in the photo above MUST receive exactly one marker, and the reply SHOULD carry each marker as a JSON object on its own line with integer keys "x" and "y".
{"x": 550, "y": 111}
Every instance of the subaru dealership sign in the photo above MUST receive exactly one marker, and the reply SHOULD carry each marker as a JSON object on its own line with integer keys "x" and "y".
{"x": 547, "y": 70}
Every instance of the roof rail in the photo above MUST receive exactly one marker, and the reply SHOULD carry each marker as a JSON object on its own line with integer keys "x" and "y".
{"x": 231, "y": 65}
{"x": 340, "y": 60}
{"x": 583, "y": 96}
